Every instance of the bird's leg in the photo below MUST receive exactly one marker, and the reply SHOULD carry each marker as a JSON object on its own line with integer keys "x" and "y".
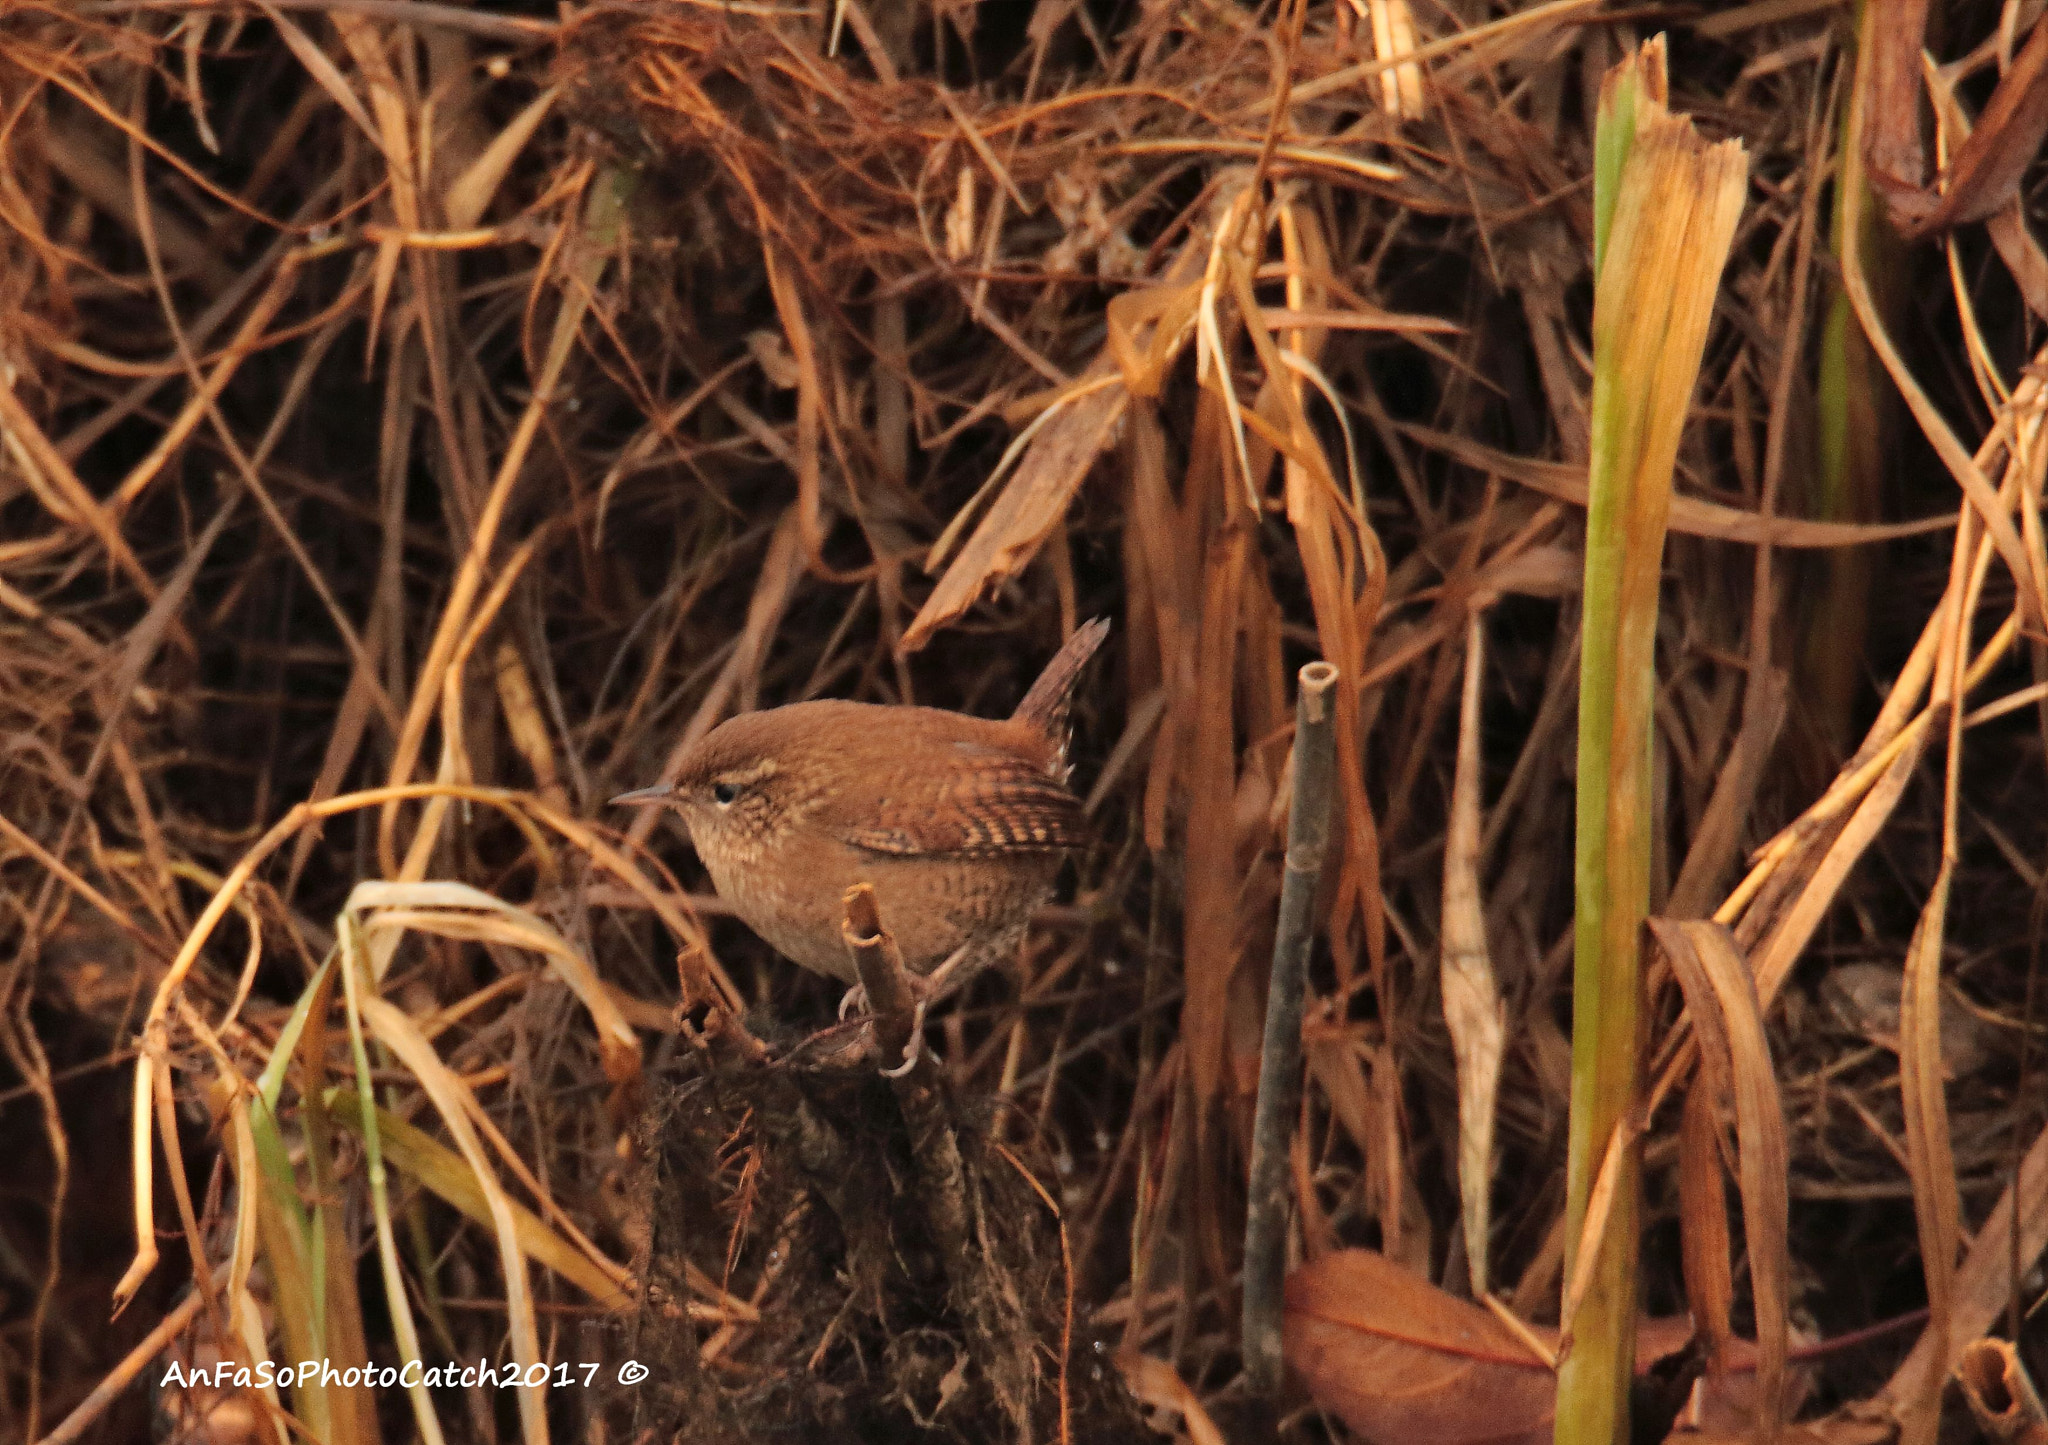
{"x": 914, "y": 1050}
{"x": 927, "y": 989}
{"x": 948, "y": 976}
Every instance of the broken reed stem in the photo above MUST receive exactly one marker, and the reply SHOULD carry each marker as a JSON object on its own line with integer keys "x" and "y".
{"x": 2000, "y": 1393}
{"x": 934, "y": 1145}
{"x": 1308, "y": 838}
{"x": 985, "y": 1303}
{"x": 880, "y": 966}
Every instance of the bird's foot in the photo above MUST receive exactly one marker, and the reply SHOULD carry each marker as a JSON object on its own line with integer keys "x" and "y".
{"x": 855, "y": 1001}
{"x": 926, "y": 990}
{"x": 914, "y": 1050}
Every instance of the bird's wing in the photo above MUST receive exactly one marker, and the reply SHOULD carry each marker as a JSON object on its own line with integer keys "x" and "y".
{"x": 991, "y": 802}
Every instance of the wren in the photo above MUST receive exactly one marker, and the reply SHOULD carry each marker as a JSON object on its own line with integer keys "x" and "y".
{"x": 958, "y": 822}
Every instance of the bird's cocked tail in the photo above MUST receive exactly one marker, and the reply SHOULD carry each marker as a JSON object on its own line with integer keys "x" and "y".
{"x": 1045, "y": 706}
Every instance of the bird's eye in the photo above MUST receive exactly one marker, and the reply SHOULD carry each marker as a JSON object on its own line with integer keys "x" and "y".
{"x": 724, "y": 793}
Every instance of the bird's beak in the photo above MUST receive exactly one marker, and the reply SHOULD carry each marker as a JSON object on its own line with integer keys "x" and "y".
{"x": 659, "y": 793}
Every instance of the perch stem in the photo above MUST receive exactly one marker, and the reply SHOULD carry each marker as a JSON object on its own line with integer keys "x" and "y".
{"x": 1308, "y": 838}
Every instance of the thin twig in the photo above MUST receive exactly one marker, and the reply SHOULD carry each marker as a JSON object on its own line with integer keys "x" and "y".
{"x": 1308, "y": 837}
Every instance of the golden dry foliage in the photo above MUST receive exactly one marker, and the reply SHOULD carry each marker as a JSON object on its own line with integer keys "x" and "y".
{"x": 418, "y": 424}
{"x": 1665, "y": 206}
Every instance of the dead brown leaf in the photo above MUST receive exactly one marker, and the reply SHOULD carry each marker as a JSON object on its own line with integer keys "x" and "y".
{"x": 1986, "y": 171}
{"x": 1404, "y": 1363}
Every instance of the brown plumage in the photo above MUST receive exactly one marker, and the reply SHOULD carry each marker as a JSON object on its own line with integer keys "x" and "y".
{"x": 959, "y": 822}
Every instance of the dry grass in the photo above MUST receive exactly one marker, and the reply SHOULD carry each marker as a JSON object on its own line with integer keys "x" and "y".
{"x": 416, "y": 435}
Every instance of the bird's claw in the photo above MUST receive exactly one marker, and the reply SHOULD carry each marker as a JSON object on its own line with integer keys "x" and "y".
{"x": 914, "y": 1050}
